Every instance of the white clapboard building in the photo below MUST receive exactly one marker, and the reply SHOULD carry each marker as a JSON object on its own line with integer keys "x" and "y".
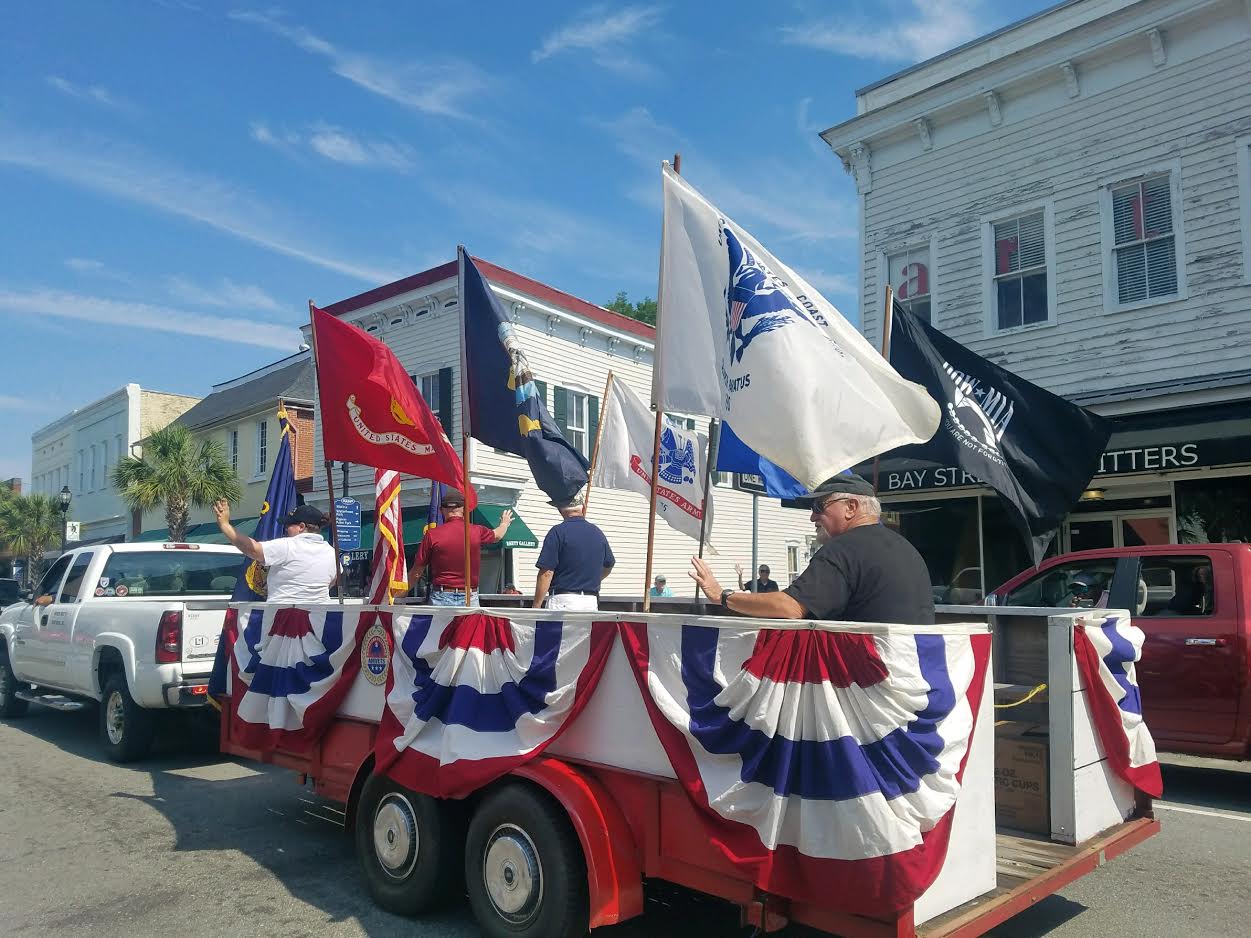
{"x": 571, "y": 345}
{"x": 1070, "y": 197}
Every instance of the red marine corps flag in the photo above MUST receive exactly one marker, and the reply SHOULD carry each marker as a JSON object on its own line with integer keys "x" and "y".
{"x": 370, "y": 411}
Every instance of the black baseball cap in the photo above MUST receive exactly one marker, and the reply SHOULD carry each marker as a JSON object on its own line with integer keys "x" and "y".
{"x": 846, "y": 484}
{"x": 305, "y": 514}
{"x": 452, "y": 499}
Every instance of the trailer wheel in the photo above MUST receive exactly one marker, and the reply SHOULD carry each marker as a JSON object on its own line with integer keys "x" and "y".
{"x": 10, "y": 704}
{"x": 524, "y": 867}
{"x": 407, "y": 846}
{"x": 126, "y": 729}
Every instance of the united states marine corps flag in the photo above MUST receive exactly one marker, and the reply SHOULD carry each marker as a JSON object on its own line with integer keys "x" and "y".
{"x": 370, "y": 411}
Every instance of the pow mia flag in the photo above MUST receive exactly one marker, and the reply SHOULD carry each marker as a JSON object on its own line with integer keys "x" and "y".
{"x": 1035, "y": 449}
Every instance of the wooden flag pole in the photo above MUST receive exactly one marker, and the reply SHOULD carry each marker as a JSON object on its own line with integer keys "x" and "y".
{"x": 660, "y": 416}
{"x": 888, "y": 318}
{"x": 710, "y": 457}
{"x": 334, "y": 527}
{"x": 599, "y": 435}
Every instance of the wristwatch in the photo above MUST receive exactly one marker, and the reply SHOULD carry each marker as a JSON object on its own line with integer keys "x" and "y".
{"x": 725, "y": 595}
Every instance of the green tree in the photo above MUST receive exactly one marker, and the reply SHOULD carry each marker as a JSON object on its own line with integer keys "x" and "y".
{"x": 176, "y": 470}
{"x": 644, "y": 310}
{"x": 30, "y": 525}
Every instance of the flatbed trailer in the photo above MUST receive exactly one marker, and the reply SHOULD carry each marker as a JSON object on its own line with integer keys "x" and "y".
{"x": 576, "y": 831}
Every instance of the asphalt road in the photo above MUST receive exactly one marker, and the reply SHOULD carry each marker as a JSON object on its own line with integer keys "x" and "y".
{"x": 192, "y": 844}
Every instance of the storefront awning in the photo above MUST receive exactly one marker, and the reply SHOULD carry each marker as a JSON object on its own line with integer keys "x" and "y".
{"x": 518, "y": 533}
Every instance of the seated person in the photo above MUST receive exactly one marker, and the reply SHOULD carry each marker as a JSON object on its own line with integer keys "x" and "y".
{"x": 1195, "y": 598}
{"x": 1085, "y": 592}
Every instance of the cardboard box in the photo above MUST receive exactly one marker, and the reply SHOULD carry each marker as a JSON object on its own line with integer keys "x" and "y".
{"x": 1022, "y": 796}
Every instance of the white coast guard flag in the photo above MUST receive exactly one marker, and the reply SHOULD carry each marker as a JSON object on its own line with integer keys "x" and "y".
{"x": 1107, "y": 647}
{"x": 625, "y": 459}
{"x": 291, "y": 668}
{"x": 472, "y": 696}
{"x": 826, "y": 765}
{"x": 744, "y": 338}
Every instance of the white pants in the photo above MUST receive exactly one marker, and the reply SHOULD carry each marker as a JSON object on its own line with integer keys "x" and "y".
{"x": 575, "y": 602}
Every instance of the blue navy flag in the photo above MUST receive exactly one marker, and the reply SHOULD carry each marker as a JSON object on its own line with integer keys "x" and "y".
{"x": 505, "y": 410}
{"x": 250, "y": 586}
{"x": 733, "y": 455}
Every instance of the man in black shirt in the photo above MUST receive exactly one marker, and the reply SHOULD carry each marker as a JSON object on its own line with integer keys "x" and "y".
{"x": 762, "y": 583}
{"x": 864, "y": 572}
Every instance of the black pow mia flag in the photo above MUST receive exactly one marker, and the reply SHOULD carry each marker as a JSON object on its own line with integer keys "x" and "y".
{"x": 1035, "y": 449}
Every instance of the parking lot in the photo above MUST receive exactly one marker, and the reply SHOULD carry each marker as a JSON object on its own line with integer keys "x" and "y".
{"x": 194, "y": 844}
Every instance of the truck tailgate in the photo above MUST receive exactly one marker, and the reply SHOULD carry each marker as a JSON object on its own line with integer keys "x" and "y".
{"x": 201, "y": 630}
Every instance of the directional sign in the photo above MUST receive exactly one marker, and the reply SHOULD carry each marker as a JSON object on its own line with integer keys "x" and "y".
{"x": 745, "y": 482}
{"x": 347, "y": 519}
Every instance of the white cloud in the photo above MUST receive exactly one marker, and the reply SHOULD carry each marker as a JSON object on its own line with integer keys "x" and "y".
{"x": 225, "y": 294}
{"x": 85, "y": 265}
{"x": 903, "y": 32}
{"x": 26, "y": 405}
{"x": 336, "y": 144}
{"x": 607, "y": 34}
{"x": 831, "y": 283}
{"x": 107, "y": 166}
{"x": 94, "y": 93}
{"x": 145, "y": 316}
{"x": 438, "y": 88}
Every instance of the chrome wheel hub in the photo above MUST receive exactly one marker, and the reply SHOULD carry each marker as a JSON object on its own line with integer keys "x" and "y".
{"x": 115, "y": 718}
{"x": 395, "y": 835}
{"x": 513, "y": 874}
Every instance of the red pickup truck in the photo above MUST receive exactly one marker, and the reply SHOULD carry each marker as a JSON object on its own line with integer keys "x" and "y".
{"x": 1193, "y": 603}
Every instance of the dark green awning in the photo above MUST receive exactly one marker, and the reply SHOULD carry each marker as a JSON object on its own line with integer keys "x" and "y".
{"x": 206, "y": 532}
{"x": 518, "y": 533}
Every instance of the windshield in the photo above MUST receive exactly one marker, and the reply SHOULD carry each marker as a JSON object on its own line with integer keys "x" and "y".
{"x": 168, "y": 573}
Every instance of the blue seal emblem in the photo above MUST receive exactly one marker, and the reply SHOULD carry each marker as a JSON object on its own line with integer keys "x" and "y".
{"x": 376, "y": 655}
{"x": 757, "y": 301}
{"x": 677, "y": 460}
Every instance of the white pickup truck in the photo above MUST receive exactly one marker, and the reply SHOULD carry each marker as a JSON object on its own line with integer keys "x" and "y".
{"x": 133, "y": 626}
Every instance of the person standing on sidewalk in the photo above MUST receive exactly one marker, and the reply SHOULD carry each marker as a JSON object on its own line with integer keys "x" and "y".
{"x": 573, "y": 562}
{"x": 442, "y": 550}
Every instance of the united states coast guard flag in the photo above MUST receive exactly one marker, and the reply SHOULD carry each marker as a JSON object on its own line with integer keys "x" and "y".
{"x": 744, "y": 338}
{"x": 628, "y": 435}
{"x": 1107, "y": 648}
{"x": 825, "y": 764}
{"x": 291, "y": 669}
{"x": 471, "y": 697}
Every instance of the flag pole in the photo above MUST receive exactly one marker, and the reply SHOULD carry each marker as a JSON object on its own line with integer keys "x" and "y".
{"x": 710, "y": 458}
{"x": 660, "y": 416}
{"x": 888, "y": 317}
{"x": 599, "y": 435}
{"x": 334, "y": 528}
{"x": 464, "y": 418}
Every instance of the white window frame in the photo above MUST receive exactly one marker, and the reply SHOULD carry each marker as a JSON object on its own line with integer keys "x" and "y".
{"x": 1111, "y": 295}
{"x": 990, "y": 311}
{"x": 884, "y": 254}
{"x": 577, "y": 405}
{"x": 1243, "y": 145}
{"x": 93, "y": 468}
{"x": 261, "y": 455}
{"x": 431, "y": 381}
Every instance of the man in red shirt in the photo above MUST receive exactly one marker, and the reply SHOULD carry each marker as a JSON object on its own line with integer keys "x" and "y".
{"x": 443, "y": 551}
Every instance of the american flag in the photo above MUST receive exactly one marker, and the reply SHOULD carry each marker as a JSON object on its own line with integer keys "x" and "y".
{"x": 389, "y": 574}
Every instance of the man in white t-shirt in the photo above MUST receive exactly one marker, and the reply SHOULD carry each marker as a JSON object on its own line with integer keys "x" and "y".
{"x": 301, "y": 565}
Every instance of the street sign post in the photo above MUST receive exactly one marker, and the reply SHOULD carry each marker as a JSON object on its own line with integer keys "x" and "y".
{"x": 347, "y": 519}
{"x": 746, "y": 482}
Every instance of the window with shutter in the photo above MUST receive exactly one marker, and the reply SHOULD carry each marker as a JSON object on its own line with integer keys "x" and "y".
{"x": 1020, "y": 271}
{"x": 1144, "y": 251}
{"x": 909, "y": 273}
{"x": 592, "y": 422}
{"x": 571, "y": 417}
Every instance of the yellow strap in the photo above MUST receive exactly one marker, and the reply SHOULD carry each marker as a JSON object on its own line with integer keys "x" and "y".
{"x": 1030, "y": 696}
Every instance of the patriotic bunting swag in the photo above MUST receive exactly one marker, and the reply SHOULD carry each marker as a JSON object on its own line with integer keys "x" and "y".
{"x": 826, "y": 764}
{"x": 294, "y": 667}
{"x": 471, "y": 697}
{"x": 1106, "y": 650}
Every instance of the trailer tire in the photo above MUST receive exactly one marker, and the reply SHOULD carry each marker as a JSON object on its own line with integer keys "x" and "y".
{"x": 524, "y": 867}
{"x": 408, "y": 846}
{"x": 126, "y": 729}
{"x": 10, "y": 704}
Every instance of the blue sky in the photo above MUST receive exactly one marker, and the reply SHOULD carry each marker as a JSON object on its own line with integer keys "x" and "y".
{"x": 177, "y": 178}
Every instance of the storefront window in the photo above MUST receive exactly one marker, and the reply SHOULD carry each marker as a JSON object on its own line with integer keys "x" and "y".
{"x": 1214, "y": 510}
{"x": 945, "y": 534}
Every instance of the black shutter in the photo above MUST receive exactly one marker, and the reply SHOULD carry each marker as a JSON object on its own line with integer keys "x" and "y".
{"x": 445, "y": 400}
{"x": 562, "y": 410}
{"x": 690, "y": 423}
{"x": 592, "y": 423}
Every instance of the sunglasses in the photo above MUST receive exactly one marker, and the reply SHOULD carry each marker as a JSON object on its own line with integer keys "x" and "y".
{"x": 821, "y": 504}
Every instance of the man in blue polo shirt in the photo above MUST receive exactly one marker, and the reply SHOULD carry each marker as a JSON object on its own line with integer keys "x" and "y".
{"x": 574, "y": 559}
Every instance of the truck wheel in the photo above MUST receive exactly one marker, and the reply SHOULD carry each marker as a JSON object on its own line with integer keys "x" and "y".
{"x": 126, "y": 729}
{"x": 10, "y": 704}
{"x": 408, "y": 846}
{"x": 524, "y": 867}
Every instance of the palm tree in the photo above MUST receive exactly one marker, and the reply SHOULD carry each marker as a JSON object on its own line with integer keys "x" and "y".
{"x": 29, "y": 526}
{"x": 178, "y": 471}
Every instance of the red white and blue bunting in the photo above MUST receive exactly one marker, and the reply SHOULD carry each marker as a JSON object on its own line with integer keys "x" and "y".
{"x": 826, "y": 765}
{"x": 472, "y": 696}
{"x": 294, "y": 666}
{"x": 1107, "y": 648}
